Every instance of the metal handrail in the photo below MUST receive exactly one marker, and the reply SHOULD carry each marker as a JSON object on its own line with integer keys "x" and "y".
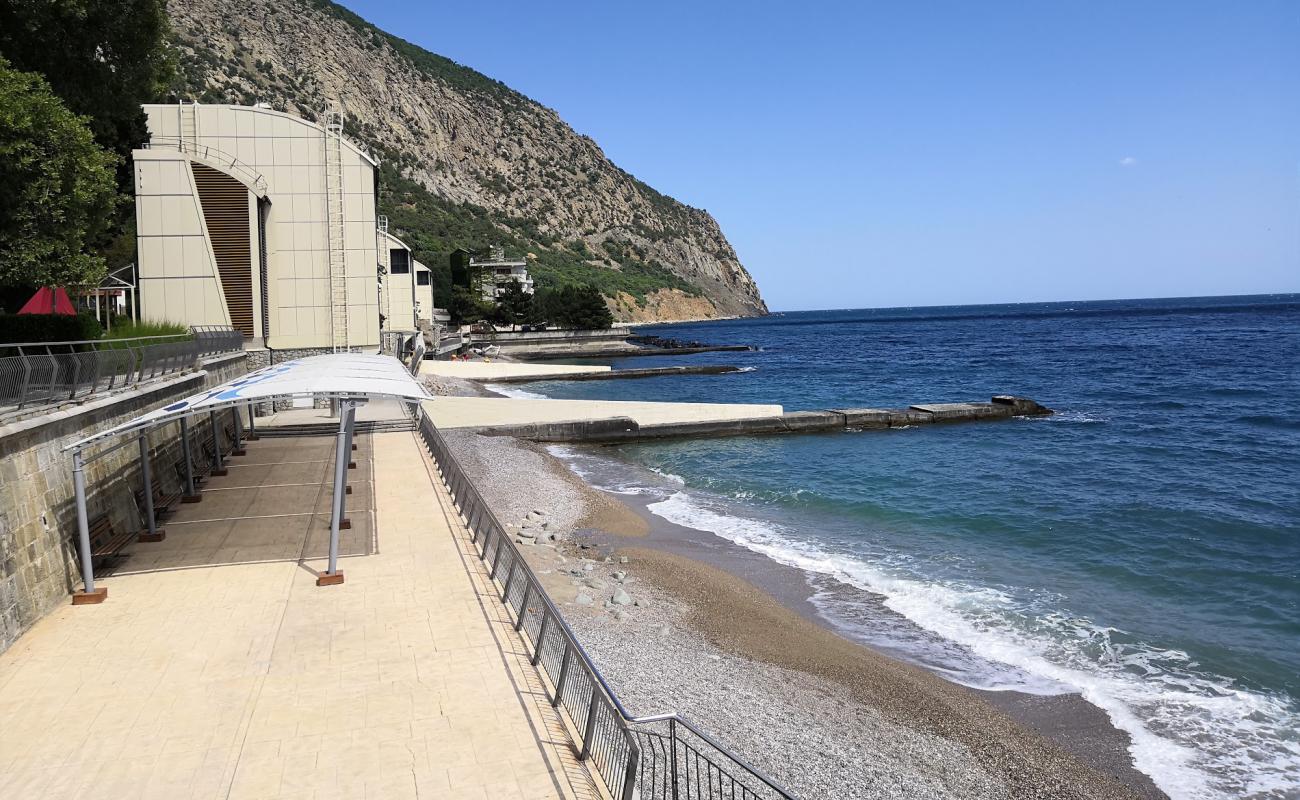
{"x": 646, "y": 763}
{"x": 39, "y": 374}
{"x": 212, "y": 154}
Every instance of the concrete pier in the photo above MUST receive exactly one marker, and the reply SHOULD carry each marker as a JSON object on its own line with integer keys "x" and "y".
{"x": 624, "y": 352}
{"x": 625, "y": 429}
{"x": 617, "y": 374}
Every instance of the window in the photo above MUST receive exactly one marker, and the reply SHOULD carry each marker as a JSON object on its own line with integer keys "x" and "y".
{"x": 399, "y": 262}
{"x": 422, "y": 277}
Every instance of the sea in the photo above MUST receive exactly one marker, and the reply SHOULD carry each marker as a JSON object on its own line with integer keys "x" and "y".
{"x": 1140, "y": 547}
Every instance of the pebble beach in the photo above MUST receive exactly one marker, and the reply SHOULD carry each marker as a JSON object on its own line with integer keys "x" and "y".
{"x": 824, "y": 716}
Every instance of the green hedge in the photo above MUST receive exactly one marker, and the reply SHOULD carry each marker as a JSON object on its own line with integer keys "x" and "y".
{"x": 48, "y": 328}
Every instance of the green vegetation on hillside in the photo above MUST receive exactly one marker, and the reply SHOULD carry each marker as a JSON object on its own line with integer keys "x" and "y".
{"x": 434, "y": 227}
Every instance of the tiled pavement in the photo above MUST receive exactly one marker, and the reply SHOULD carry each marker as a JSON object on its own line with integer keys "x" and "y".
{"x": 218, "y": 669}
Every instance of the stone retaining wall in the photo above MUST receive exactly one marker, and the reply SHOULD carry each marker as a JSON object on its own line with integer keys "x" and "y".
{"x": 39, "y": 566}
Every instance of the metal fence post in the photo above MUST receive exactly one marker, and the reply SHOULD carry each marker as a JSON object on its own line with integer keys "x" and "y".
{"x": 589, "y": 730}
{"x": 564, "y": 673}
{"x": 541, "y": 635}
{"x": 672, "y": 753}
{"x": 510, "y": 578}
{"x": 523, "y": 606}
{"x": 633, "y": 761}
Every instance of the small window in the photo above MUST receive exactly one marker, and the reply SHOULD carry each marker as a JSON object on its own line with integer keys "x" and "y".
{"x": 399, "y": 262}
{"x": 422, "y": 278}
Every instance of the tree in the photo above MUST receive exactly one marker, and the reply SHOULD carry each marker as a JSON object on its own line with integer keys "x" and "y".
{"x": 59, "y": 195}
{"x": 466, "y": 306}
{"x": 514, "y": 305}
{"x": 103, "y": 57}
{"x": 581, "y": 307}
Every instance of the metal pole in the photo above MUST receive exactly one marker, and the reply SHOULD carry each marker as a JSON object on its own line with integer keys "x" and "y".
{"x": 146, "y": 472}
{"x": 564, "y": 673}
{"x": 629, "y": 776}
{"x": 239, "y": 430}
{"x": 541, "y": 636}
{"x": 216, "y": 443}
{"x": 191, "y": 496}
{"x": 83, "y": 526}
{"x": 672, "y": 753}
{"x": 252, "y": 423}
{"x": 590, "y": 727}
{"x": 332, "y": 575}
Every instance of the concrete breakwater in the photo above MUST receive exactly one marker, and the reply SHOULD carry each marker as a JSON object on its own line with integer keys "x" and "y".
{"x": 608, "y": 375}
{"x": 626, "y": 429}
{"x": 630, "y": 350}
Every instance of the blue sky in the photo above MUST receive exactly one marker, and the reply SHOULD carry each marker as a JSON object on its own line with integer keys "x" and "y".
{"x": 869, "y": 154}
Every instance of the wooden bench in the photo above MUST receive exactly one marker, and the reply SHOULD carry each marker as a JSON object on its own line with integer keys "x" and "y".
{"x": 105, "y": 541}
{"x": 230, "y": 440}
{"x": 207, "y": 462}
{"x": 162, "y": 500}
{"x": 198, "y": 469}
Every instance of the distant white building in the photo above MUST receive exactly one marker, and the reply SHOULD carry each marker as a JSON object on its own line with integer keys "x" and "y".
{"x": 497, "y": 273}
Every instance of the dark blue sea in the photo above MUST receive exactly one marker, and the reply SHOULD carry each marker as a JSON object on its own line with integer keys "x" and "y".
{"x": 1141, "y": 547}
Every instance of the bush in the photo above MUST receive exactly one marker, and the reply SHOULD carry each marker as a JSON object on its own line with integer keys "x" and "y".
{"x": 48, "y": 328}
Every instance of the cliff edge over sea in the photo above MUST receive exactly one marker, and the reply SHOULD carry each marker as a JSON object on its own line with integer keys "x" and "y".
{"x": 466, "y": 160}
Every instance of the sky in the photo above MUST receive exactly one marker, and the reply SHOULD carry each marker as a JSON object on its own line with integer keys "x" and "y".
{"x": 894, "y": 154}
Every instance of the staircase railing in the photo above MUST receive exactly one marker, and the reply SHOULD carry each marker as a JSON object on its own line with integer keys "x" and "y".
{"x": 659, "y": 757}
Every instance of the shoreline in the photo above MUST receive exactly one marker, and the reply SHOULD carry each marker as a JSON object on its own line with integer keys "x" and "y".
{"x": 697, "y": 629}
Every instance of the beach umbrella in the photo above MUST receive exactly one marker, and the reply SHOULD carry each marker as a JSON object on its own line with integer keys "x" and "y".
{"x": 49, "y": 300}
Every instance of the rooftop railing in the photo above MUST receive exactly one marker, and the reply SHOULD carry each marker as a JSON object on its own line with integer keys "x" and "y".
{"x": 37, "y": 374}
{"x": 660, "y": 757}
{"x": 210, "y": 154}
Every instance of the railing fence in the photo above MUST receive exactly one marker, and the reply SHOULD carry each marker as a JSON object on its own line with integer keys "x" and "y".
{"x": 663, "y": 757}
{"x": 35, "y": 374}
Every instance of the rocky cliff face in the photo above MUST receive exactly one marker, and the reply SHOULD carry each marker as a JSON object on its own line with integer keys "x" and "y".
{"x": 481, "y": 151}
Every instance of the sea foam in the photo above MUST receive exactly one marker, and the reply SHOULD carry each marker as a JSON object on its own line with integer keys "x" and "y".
{"x": 1197, "y": 735}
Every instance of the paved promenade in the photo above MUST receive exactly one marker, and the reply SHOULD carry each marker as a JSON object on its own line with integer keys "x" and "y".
{"x": 218, "y": 669}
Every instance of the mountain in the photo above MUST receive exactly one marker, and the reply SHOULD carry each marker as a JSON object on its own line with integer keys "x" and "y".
{"x": 467, "y": 161}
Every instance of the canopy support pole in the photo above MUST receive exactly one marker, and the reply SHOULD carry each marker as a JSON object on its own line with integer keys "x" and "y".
{"x": 217, "y": 468}
{"x": 332, "y": 575}
{"x": 89, "y": 595}
{"x": 237, "y": 447}
{"x": 191, "y": 496}
{"x": 151, "y": 532}
{"x": 252, "y": 422}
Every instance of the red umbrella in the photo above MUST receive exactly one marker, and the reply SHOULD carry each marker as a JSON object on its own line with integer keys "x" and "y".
{"x": 49, "y": 300}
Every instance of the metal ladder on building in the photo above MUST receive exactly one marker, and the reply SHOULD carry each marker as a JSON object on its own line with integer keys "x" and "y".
{"x": 188, "y": 126}
{"x": 385, "y": 270}
{"x": 334, "y": 230}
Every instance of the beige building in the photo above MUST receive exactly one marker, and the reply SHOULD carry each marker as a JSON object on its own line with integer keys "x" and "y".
{"x": 257, "y": 219}
{"x": 407, "y": 295}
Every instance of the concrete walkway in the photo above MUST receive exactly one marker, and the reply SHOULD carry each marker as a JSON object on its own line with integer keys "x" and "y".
{"x": 247, "y": 680}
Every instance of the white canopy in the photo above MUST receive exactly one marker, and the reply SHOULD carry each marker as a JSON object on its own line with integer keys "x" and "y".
{"x": 337, "y": 375}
